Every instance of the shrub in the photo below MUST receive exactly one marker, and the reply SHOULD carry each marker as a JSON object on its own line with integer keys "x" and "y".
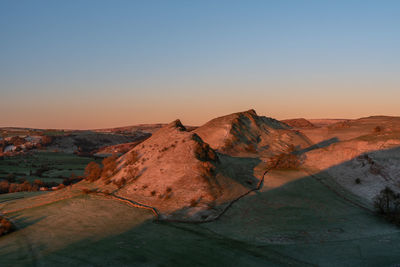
{"x": 92, "y": 171}
{"x": 387, "y": 202}
{"x": 377, "y": 129}
{"x": 193, "y": 203}
{"x": 38, "y": 183}
{"x": 131, "y": 157}
{"x": 153, "y": 193}
{"x": 164, "y": 149}
{"x": 72, "y": 180}
{"x": 5, "y": 226}
{"x": 86, "y": 191}
{"x": 285, "y": 161}
{"x": 4, "y": 187}
{"x": 109, "y": 166}
{"x": 89, "y": 191}
{"x": 46, "y": 140}
{"x": 251, "y": 148}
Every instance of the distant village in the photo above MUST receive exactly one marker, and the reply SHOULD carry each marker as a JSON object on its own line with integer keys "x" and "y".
{"x": 13, "y": 145}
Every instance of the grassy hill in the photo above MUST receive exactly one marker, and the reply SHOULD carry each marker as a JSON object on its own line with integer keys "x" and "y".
{"x": 312, "y": 215}
{"x": 303, "y": 222}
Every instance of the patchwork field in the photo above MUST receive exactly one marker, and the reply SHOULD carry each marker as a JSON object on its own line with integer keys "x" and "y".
{"x": 45, "y": 166}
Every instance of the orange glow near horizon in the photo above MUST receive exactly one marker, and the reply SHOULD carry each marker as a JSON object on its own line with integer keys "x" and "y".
{"x": 110, "y": 113}
{"x": 64, "y": 66}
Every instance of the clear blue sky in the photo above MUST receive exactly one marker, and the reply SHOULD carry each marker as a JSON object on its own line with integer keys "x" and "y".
{"x": 85, "y": 64}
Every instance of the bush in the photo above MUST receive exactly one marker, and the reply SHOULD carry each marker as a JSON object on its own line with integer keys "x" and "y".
{"x": 86, "y": 191}
{"x": 72, "y": 180}
{"x": 193, "y": 203}
{"x": 109, "y": 166}
{"x": 131, "y": 157}
{"x": 93, "y": 171}
{"x": 4, "y": 187}
{"x": 378, "y": 129}
{"x": 46, "y": 140}
{"x": 387, "y": 201}
{"x": 5, "y": 226}
{"x": 285, "y": 161}
{"x": 38, "y": 183}
{"x": 25, "y": 186}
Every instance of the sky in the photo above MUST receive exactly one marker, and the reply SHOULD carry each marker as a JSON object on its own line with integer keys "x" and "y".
{"x": 94, "y": 64}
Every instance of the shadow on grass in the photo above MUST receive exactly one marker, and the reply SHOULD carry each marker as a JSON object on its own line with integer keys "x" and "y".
{"x": 321, "y": 144}
{"x": 309, "y": 221}
{"x": 240, "y": 169}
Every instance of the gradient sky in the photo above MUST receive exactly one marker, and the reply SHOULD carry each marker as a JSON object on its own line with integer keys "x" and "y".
{"x": 92, "y": 64}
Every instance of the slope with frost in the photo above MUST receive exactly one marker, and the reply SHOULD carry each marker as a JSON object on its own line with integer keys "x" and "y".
{"x": 364, "y": 158}
{"x": 193, "y": 175}
{"x": 180, "y": 175}
{"x": 246, "y": 132}
{"x": 299, "y": 123}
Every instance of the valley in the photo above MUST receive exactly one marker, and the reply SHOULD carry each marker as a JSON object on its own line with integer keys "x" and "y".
{"x": 242, "y": 189}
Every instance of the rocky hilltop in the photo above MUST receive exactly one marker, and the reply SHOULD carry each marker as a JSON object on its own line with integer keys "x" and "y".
{"x": 194, "y": 175}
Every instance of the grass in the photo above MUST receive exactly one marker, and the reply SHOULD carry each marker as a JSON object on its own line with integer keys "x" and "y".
{"x": 300, "y": 223}
{"x": 60, "y": 165}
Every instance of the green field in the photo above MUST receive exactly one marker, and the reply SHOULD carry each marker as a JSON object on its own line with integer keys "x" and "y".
{"x": 300, "y": 223}
{"x": 60, "y": 166}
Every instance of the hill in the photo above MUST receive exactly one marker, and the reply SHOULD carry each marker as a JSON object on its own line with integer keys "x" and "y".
{"x": 194, "y": 175}
{"x": 299, "y": 123}
{"x": 180, "y": 175}
{"x": 151, "y": 205}
{"x": 248, "y": 133}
